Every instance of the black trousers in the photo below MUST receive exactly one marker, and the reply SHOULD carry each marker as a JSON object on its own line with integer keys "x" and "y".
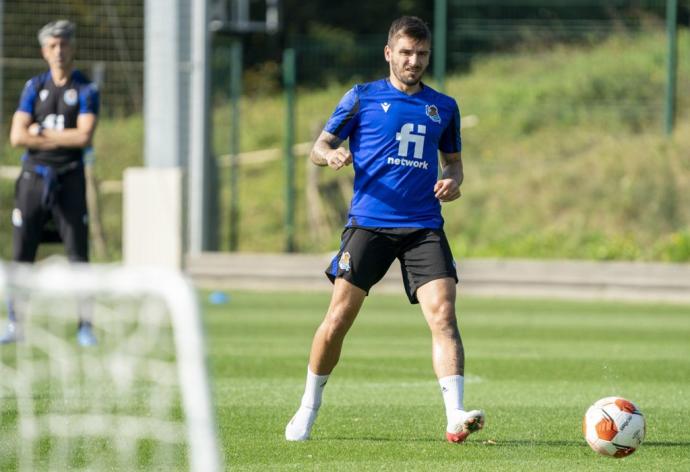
{"x": 64, "y": 219}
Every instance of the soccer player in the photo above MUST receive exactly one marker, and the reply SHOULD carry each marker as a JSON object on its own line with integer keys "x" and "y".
{"x": 395, "y": 127}
{"x": 55, "y": 121}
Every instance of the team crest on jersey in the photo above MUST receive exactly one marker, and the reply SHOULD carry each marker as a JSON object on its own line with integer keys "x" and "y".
{"x": 43, "y": 94}
{"x": 344, "y": 262}
{"x": 432, "y": 112}
{"x": 71, "y": 97}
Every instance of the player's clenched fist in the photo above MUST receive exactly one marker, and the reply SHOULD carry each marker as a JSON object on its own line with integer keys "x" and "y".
{"x": 338, "y": 158}
{"x": 447, "y": 190}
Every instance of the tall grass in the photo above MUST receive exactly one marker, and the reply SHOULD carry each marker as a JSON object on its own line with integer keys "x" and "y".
{"x": 568, "y": 159}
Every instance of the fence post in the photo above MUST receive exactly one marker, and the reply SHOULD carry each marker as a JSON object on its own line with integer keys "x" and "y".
{"x": 440, "y": 39}
{"x": 235, "y": 94}
{"x": 672, "y": 64}
{"x": 289, "y": 84}
{"x": 2, "y": 71}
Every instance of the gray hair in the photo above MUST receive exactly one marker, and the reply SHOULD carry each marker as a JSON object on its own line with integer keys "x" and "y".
{"x": 56, "y": 29}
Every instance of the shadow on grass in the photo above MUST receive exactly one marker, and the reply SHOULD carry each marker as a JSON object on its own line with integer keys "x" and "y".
{"x": 667, "y": 443}
{"x": 537, "y": 442}
{"x": 495, "y": 442}
{"x": 374, "y": 439}
{"x": 471, "y": 442}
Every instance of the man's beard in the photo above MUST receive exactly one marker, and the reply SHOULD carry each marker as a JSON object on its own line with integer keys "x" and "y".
{"x": 409, "y": 81}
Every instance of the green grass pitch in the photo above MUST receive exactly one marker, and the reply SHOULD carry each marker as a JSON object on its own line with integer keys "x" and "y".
{"x": 533, "y": 366}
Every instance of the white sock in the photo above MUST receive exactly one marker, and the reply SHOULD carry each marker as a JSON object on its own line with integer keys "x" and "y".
{"x": 84, "y": 308}
{"x": 299, "y": 427}
{"x": 313, "y": 390}
{"x": 452, "y": 388}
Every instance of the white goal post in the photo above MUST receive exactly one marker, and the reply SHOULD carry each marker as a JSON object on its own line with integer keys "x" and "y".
{"x": 138, "y": 400}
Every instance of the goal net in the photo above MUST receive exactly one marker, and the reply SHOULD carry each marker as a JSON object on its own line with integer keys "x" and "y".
{"x": 137, "y": 400}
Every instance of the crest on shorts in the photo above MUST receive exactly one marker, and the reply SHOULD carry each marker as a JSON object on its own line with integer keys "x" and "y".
{"x": 432, "y": 112}
{"x": 344, "y": 262}
{"x": 17, "y": 218}
{"x": 70, "y": 97}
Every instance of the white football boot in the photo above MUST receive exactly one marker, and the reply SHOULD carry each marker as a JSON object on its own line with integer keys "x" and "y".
{"x": 299, "y": 427}
{"x": 464, "y": 423}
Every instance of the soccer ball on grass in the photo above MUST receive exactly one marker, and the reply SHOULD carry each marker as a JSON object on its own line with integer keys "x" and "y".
{"x": 614, "y": 427}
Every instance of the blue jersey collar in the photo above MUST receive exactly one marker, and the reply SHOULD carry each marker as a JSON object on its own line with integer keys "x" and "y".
{"x": 422, "y": 89}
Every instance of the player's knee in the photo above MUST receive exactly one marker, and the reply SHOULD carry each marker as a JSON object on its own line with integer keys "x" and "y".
{"x": 336, "y": 324}
{"x": 443, "y": 310}
{"x": 442, "y": 319}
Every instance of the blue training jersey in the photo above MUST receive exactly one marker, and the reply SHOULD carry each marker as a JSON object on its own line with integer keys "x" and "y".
{"x": 57, "y": 108}
{"x": 394, "y": 140}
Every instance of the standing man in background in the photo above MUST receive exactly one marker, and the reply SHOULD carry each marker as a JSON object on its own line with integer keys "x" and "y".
{"x": 55, "y": 121}
{"x": 395, "y": 126}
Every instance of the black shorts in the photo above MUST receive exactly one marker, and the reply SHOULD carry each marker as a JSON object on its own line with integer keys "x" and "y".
{"x": 65, "y": 219}
{"x": 366, "y": 254}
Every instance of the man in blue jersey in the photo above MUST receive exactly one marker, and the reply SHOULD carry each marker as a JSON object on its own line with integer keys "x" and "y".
{"x": 395, "y": 128}
{"x": 55, "y": 121}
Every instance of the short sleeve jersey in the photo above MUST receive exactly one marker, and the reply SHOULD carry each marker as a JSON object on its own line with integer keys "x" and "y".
{"x": 394, "y": 140}
{"x": 58, "y": 107}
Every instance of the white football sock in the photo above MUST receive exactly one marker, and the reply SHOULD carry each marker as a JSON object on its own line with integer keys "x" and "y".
{"x": 85, "y": 309}
{"x": 314, "y": 390}
{"x": 452, "y": 388}
{"x": 299, "y": 427}
{"x": 11, "y": 313}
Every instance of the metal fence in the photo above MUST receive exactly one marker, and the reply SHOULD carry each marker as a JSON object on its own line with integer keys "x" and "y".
{"x": 477, "y": 30}
{"x": 110, "y": 48}
{"x": 477, "y": 26}
{"x": 110, "y": 40}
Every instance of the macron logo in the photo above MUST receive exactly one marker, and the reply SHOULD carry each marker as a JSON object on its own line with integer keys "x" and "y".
{"x": 385, "y": 106}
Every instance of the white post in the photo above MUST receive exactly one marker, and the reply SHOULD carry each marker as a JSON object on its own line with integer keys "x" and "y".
{"x": 164, "y": 118}
{"x": 152, "y": 223}
{"x": 153, "y": 229}
{"x": 199, "y": 183}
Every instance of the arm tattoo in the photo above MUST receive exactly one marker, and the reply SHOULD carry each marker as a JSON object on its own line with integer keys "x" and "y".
{"x": 324, "y": 143}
